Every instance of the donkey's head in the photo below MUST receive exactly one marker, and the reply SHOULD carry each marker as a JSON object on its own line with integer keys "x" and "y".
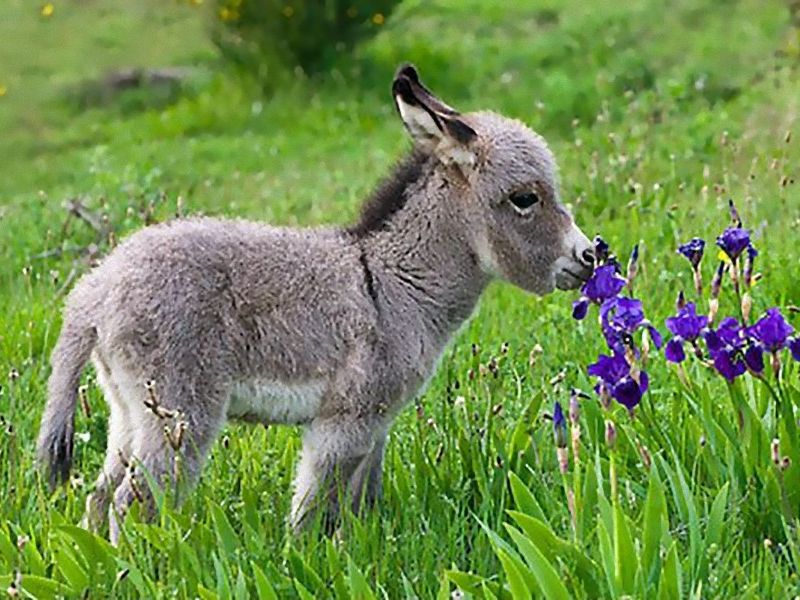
{"x": 506, "y": 181}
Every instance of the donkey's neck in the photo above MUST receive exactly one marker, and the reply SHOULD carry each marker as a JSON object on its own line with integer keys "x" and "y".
{"x": 423, "y": 253}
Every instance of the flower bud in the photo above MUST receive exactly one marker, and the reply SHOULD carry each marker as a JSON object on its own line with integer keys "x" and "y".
{"x": 776, "y": 364}
{"x": 698, "y": 281}
{"x": 633, "y": 266}
{"x": 716, "y": 282}
{"x": 747, "y": 306}
{"x": 748, "y": 266}
{"x": 559, "y": 426}
{"x": 775, "y": 451}
{"x": 644, "y": 453}
{"x": 645, "y": 346}
{"x": 713, "y": 309}
{"x": 611, "y": 435}
{"x": 605, "y": 397}
{"x": 563, "y": 460}
{"x": 680, "y": 302}
{"x": 574, "y": 408}
{"x": 737, "y": 220}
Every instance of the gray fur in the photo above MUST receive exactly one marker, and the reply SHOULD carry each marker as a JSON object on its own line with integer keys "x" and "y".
{"x": 333, "y": 328}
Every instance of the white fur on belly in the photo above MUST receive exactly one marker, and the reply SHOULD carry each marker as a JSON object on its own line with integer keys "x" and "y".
{"x": 275, "y": 401}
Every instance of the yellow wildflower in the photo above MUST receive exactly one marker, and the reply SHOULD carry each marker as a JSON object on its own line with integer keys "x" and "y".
{"x": 378, "y": 19}
{"x": 47, "y": 10}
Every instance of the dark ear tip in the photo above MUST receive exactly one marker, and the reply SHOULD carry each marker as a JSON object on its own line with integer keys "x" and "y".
{"x": 407, "y": 70}
{"x": 460, "y": 130}
{"x": 402, "y": 87}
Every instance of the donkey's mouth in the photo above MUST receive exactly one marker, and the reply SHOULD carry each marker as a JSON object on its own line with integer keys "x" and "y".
{"x": 570, "y": 279}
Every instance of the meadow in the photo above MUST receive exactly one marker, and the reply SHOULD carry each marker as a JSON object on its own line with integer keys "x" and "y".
{"x": 659, "y": 114}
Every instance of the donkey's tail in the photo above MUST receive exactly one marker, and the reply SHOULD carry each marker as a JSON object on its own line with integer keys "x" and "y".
{"x": 72, "y": 351}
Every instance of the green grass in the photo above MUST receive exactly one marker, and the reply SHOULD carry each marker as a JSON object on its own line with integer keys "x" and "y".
{"x": 474, "y": 497}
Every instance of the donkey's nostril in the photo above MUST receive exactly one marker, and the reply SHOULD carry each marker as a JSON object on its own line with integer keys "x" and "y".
{"x": 587, "y": 257}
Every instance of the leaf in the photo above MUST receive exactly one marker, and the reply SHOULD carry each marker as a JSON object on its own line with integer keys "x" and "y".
{"x": 8, "y": 552}
{"x": 499, "y": 544}
{"x": 304, "y": 572}
{"x": 33, "y": 559}
{"x": 694, "y": 522}
{"x": 96, "y": 551}
{"x": 71, "y": 569}
{"x": 551, "y": 546}
{"x": 654, "y": 521}
{"x": 524, "y": 499}
{"x": 546, "y": 575}
{"x": 626, "y": 560}
{"x": 223, "y": 583}
{"x": 519, "y": 590}
{"x": 264, "y": 588}
{"x": 226, "y": 536}
{"x": 466, "y": 582}
{"x": 607, "y": 557}
{"x": 716, "y": 517}
{"x": 206, "y": 594}
{"x": 240, "y": 587}
{"x": 669, "y": 586}
{"x": 359, "y": 587}
{"x": 408, "y": 589}
{"x": 302, "y": 591}
{"x": 42, "y": 587}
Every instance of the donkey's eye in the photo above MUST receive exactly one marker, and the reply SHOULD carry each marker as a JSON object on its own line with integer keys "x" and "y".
{"x": 524, "y": 200}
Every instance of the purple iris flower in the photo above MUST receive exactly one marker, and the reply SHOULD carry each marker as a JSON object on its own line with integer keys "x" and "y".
{"x": 617, "y": 381}
{"x": 621, "y": 318}
{"x": 686, "y": 326}
{"x": 733, "y": 241}
{"x": 604, "y": 283}
{"x": 771, "y": 331}
{"x": 693, "y": 250}
{"x": 726, "y": 345}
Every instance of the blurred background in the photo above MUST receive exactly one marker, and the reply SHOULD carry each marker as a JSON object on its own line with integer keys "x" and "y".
{"x": 89, "y": 86}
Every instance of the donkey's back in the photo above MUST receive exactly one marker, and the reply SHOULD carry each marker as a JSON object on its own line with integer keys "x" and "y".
{"x": 245, "y": 298}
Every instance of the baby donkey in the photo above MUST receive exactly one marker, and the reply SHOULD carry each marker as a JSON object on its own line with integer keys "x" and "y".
{"x": 331, "y": 328}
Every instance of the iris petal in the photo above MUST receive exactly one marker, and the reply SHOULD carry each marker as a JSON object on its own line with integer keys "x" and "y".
{"x": 674, "y": 351}
{"x": 794, "y": 348}
{"x": 579, "y": 308}
{"x": 754, "y": 358}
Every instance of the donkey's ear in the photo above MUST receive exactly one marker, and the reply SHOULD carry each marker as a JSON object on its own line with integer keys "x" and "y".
{"x": 433, "y": 125}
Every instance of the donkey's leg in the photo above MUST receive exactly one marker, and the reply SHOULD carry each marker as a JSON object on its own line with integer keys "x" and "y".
{"x": 334, "y": 450}
{"x": 118, "y": 448}
{"x": 366, "y": 484}
{"x": 169, "y": 448}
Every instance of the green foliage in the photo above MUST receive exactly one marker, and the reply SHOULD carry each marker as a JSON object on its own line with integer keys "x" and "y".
{"x": 474, "y": 499}
{"x": 259, "y": 34}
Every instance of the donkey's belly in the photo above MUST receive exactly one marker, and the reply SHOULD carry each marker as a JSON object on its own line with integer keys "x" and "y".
{"x": 267, "y": 401}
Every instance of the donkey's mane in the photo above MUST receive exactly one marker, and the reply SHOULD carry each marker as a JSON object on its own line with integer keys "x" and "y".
{"x": 390, "y": 196}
